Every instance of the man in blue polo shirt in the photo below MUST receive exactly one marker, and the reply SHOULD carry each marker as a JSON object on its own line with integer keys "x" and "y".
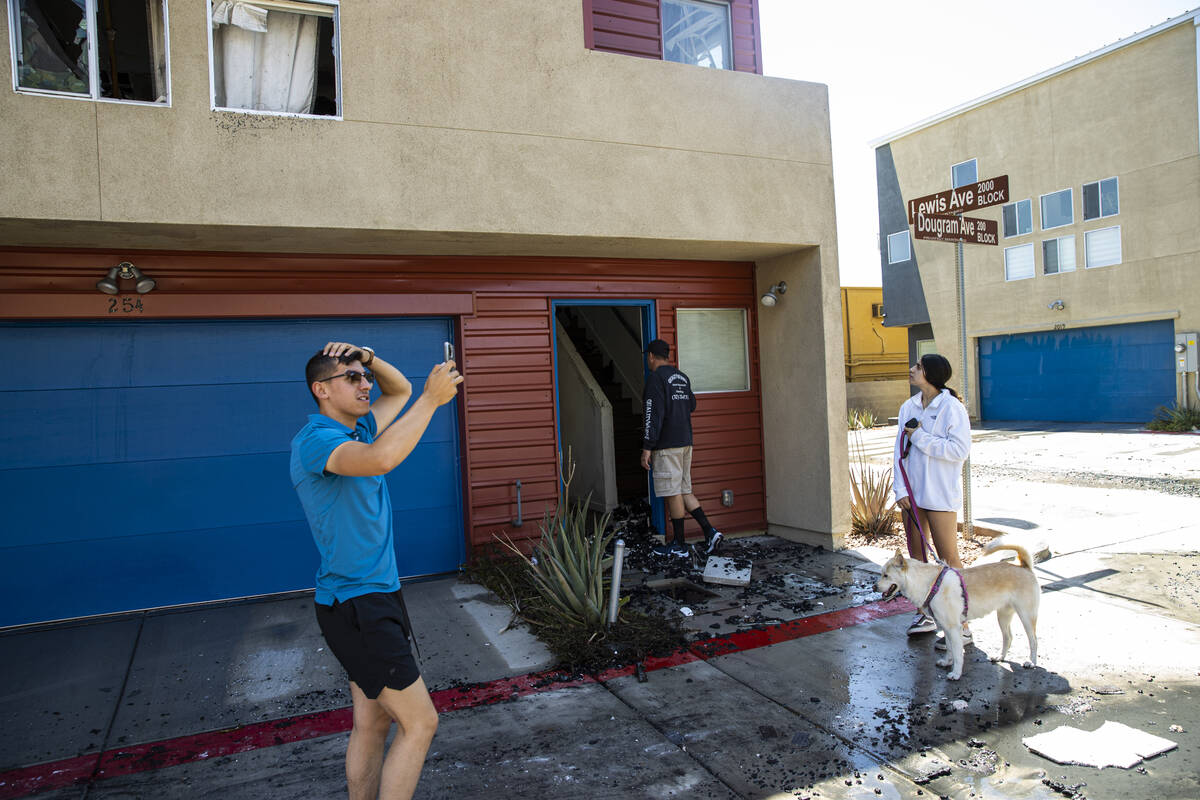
{"x": 339, "y": 460}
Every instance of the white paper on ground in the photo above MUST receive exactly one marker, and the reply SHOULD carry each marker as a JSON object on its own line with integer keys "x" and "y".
{"x": 1110, "y": 745}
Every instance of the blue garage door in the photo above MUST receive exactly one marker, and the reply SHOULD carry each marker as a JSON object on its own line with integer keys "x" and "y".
{"x": 146, "y": 464}
{"x": 1110, "y": 373}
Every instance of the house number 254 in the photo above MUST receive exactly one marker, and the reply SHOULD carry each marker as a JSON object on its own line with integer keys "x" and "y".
{"x": 125, "y": 305}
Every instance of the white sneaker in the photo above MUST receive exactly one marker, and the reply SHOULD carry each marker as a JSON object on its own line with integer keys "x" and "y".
{"x": 940, "y": 644}
{"x": 921, "y": 624}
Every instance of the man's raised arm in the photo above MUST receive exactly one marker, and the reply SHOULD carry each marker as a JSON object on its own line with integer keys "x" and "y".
{"x": 393, "y": 445}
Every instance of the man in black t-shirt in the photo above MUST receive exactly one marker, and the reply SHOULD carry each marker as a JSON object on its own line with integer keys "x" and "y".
{"x": 667, "y": 445}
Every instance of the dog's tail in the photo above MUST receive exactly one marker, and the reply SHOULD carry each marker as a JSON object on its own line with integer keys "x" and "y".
{"x": 1021, "y": 551}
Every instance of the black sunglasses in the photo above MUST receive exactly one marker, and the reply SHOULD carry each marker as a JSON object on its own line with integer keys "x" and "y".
{"x": 354, "y": 376}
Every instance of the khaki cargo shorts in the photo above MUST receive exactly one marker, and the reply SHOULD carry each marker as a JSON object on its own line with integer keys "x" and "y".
{"x": 672, "y": 471}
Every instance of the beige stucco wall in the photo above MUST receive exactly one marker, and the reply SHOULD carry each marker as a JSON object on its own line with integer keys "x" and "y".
{"x": 1131, "y": 113}
{"x": 803, "y": 397}
{"x": 463, "y": 121}
{"x": 881, "y": 398}
{"x": 477, "y": 129}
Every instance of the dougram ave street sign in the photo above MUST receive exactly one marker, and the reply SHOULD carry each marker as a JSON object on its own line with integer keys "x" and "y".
{"x": 956, "y": 229}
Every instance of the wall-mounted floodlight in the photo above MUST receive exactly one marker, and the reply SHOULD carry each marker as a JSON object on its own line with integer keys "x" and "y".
{"x": 1057, "y": 305}
{"x": 771, "y": 297}
{"x": 124, "y": 272}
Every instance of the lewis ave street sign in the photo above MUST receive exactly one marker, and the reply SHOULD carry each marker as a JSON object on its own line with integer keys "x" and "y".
{"x": 991, "y": 192}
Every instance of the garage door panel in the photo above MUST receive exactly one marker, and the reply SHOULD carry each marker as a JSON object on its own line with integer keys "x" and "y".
{"x": 140, "y": 498}
{"x": 160, "y": 353}
{"x": 418, "y": 481}
{"x": 1110, "y": 373}
{"x": 150, "y": 424}
{"x": 168, "y": 422}
{"x": 423, "y": 546}
{"x": 158, "y": 452}
{"x": 111, "y": 575}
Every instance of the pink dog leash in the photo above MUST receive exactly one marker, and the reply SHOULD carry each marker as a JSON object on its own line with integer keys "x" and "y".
{"x": 926, "y": 545}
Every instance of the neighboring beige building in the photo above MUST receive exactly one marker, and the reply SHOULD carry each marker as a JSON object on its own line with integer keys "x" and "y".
{"x": 475, "y": 172}
{"x": 1075, "y": 316}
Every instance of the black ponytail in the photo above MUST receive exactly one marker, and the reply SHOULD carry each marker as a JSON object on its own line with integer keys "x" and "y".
{"x": 937, "y": 371}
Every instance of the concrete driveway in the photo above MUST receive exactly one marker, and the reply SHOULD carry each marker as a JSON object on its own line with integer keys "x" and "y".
{"x": 827, "y": 699}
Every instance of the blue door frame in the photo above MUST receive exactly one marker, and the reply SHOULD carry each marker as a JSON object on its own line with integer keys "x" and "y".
{"x": 649, "y": 332}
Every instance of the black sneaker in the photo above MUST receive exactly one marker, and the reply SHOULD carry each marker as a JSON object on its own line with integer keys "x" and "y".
{"x": 677, "y": 550}
{"x": 713, "y": 543}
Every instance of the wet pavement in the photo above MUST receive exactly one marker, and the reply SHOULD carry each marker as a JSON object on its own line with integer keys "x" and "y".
{"x": 813, "y": 700}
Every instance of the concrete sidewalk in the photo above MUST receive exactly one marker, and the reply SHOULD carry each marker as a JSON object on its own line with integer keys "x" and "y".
{"x": 819, "y": 693}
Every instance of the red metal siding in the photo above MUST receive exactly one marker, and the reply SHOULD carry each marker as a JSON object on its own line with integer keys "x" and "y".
{"x": 505, "y": 350}
{"x": 634, "y": 27}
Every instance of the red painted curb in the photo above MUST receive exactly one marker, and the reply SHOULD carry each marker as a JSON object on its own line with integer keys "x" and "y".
{"x": 25, "y": 781}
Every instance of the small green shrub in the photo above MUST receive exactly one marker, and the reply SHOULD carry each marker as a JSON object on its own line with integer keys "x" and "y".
{"x": 859, "y": 418}
{"x": 1175, "y": 418}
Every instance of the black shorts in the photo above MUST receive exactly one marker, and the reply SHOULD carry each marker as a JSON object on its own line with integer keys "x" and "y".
{"x": 369, "y": 636}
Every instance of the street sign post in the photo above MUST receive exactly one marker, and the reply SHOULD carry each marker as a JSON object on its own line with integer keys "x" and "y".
{"x": 939, "y": 216}
{"x": 980, "y": 194}
{"x": 943, "y": 227}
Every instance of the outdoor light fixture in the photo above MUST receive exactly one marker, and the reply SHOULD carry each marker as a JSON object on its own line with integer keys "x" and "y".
{"x": 1057, "y": 305}
{"x": 772, "y": 295}
{"x": 125, "y": 271}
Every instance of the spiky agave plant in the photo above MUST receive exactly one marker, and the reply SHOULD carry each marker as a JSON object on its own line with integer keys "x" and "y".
{"x": 871, "y": 505}
{"x": 568, "y": 564}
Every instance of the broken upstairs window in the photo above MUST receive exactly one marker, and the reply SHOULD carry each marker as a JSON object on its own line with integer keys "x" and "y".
{"x": 276, "y": 56}
{"x": 99, "y": 49}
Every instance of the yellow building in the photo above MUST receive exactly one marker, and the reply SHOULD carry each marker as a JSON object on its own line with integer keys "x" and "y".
{"x": 1076, "y": 314}
{"x": 876, "y": 355}
{"x": 874, "y": 352}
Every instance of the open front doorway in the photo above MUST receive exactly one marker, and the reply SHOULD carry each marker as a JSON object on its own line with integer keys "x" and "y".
{"x": 600, "y": 373}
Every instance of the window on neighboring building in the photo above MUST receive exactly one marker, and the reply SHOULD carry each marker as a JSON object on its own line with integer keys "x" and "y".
{"x": 964, "y": 174}
{"x": 1058, "y": 209}
{"x": 54, "y": 51}
{"x": 1058, "y": 255}
{"x": 925, "y": 347}
{"x": 697, "y": 32}
{"x": 713, "y": 348}
{"x": 899, "y": 247}
{"x": 1100, "y": 199}
{"x": 275, "y": 56}
{"x": 1102, "y": 248}
{"x": 1018, "y": 262}
{"x": 1018, "y": 218}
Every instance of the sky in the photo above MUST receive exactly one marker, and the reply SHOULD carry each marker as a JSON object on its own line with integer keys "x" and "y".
{"x": 889, "y": 64}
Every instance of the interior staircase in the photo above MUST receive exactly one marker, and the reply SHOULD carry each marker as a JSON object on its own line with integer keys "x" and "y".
{"x": 626, "y": 416}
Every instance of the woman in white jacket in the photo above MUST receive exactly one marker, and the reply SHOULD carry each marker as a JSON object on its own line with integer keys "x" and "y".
{"x": 934, "y": 459}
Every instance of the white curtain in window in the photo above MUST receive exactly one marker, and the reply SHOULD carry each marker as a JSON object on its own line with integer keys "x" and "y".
{"x": 1018, "y": 262}
{"x": 712, "y": 348}
{"x": 263, "y": 59}
{"x": 1103, "y": 247}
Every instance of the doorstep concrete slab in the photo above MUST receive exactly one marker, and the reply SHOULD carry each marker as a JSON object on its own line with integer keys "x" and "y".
{"x": 465, "y": 635}
{"x": 59, "y": 688}
{"x": 205, "y": 669}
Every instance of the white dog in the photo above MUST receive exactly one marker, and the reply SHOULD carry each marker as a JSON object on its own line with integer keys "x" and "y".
{"x": 1000, "y": 587}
